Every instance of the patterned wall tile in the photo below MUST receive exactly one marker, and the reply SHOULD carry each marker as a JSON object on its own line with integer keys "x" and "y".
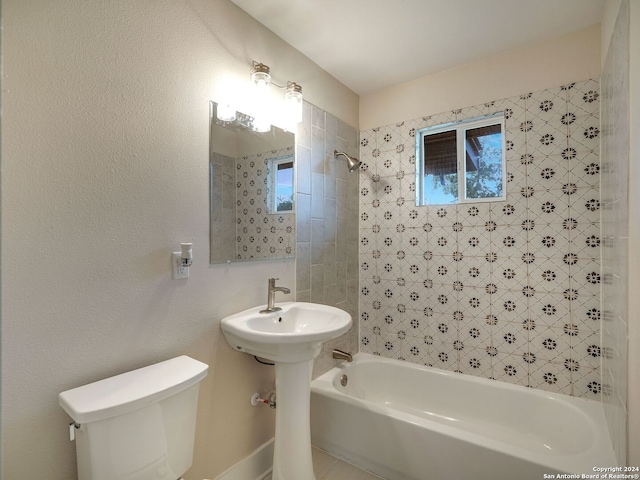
{"x": 503, "y": 290}
{"x": 260, "y": 233}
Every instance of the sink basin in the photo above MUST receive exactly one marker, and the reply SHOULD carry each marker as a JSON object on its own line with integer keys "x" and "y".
{"x": 293, "y": 334}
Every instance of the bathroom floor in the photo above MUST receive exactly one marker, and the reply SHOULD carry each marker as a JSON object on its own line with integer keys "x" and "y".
{"x": 330, "y": 468}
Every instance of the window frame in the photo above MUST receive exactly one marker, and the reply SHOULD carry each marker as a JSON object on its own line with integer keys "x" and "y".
{"x": 460, "y": 127}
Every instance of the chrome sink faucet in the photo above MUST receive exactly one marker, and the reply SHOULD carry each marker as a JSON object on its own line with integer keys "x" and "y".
{"x": 271, "y": 298}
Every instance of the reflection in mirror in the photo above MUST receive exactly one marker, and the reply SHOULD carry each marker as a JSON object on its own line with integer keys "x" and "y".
{"x": 280, "y": 181}
{"x": 251, "y": 181}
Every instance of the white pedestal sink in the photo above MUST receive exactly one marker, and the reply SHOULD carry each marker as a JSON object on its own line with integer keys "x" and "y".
{"x": 291, "y": 338}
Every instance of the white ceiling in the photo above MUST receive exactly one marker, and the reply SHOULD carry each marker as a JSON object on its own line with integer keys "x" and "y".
{"x": 372, "y": 44}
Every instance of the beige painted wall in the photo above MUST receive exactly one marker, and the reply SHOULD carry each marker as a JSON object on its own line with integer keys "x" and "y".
{"x": 104, "y": 173}
{"x": 556, "y": 62}
{"x": 609, "y": 16}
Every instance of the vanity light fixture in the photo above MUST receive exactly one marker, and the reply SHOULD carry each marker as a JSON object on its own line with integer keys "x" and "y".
{"x": 226, "y": 112}
{"x": 261, "y": 77}
{"x": 261, "y": 124}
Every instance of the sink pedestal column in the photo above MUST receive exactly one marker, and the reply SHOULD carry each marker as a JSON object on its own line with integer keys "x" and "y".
{"x": 292, "y": 448}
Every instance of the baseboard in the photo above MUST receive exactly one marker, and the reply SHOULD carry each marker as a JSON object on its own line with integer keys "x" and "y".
{"x": 254, "y": 467}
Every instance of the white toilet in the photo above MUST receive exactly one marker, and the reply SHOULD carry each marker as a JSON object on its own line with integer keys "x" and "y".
{"x": 139, "y": 425}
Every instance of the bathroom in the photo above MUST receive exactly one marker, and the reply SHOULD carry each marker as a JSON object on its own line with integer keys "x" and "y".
{"x": 105, "y": 136}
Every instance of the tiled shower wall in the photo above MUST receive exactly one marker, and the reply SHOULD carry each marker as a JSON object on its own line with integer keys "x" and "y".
{"x": 504, "y": 290}
{"x": 615, "y": 162}
{"x": 223, "y": 207}
{"x": 327, "y": 223}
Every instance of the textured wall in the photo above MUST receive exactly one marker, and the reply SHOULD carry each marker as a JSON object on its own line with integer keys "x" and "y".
{"x": 327, "y": 222}
{"x": 105, "y": 134}
{"x": 506, "y": 290}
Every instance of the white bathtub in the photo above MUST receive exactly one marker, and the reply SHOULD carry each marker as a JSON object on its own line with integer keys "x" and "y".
{"x": 410, "y": 422}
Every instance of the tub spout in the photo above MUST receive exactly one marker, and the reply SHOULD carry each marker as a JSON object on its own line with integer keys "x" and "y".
{"x": 340, "y": 355}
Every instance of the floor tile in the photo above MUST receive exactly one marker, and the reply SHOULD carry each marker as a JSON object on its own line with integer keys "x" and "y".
{"x": 322, "y": 462}
{"x": 342, "y": 471}
{"x": 327, "y": 467}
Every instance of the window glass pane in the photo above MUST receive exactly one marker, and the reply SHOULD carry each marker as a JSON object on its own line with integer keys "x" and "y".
{"x": 440, "y": 183}
{"x": 284, "y": 187}
{"x": 483, "y": 178}
{"x": 440, "y": 189}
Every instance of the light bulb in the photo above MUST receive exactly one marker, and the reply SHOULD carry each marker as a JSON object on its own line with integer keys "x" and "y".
{"x": 293, "y": 102}
{"x": 261, "y": 76}
{"x": 261, "y": 124}
{"x": 226, "y": 112}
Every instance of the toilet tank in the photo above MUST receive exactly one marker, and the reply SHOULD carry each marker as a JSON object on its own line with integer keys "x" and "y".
{"x": 139, "y": 425}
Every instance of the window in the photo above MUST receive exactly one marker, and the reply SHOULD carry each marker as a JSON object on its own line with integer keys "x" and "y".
{"x": 461, "y": 162}
{"x": 280, "y": 177}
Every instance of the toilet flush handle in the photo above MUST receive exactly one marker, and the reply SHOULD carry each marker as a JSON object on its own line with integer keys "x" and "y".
{"x": 72, "y": 430}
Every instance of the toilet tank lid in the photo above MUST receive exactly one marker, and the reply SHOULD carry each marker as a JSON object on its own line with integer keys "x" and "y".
{"x": 131, "y": 390}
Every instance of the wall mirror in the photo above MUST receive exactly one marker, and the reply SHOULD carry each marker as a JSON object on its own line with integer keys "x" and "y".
{"x": 251, "y": 190}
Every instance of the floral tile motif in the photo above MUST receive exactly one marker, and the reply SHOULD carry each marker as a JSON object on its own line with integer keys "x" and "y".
{"x": 506, "y": 290}
{"x": 587, "y": 383}
{"x": 510, "y": 368}
{"x": 549, "y": 274}
{"x": 475, "y": 334}
{"x": 548, "y": 241}
{"x": 550, "y": 377}
{"x": 415, "y": 350}
{"x": 585, "y": 170}
{"x": 547, "y": 172}
{"x": 475, "y": 362}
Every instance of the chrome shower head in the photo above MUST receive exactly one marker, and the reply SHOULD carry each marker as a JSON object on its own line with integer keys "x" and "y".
{"x": 352, "y": 162}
